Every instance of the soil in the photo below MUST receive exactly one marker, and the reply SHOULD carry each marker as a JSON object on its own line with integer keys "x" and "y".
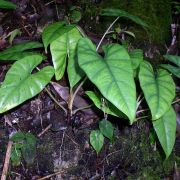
{"x": 63, "y": 151}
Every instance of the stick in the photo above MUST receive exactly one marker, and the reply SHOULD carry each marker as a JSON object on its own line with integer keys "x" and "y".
{"x": 7, "y": 159}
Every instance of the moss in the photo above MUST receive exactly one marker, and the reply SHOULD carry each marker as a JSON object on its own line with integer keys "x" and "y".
{"x": 157, "y": 14}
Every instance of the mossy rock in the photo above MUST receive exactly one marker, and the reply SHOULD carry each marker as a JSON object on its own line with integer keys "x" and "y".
{"x": 157, "y": 14}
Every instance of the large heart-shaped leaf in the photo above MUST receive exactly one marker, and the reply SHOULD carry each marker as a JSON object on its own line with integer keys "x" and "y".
{"x": 17, "y": 51}
{"x": 121, "y": 13}
{"x": 62, "y": 48}
{"x": 175, "y": 70}
{"x": 7, "y": 5}
{"x": 159, "y": 89}
{"x": 54, "y": 31}
{"x": 165, "y": 128}
{"x": 20, "y": 85}
{"x": 113, "y": 74}
{"x": 108, "y": 108}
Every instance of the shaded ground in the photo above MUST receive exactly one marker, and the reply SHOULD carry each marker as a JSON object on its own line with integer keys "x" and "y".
{"x": 65, "y": 149}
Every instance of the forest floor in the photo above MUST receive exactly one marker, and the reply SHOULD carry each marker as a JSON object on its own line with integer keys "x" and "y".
{"x": 63, "y": 151}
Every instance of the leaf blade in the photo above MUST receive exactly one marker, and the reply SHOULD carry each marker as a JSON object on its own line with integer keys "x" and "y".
{"x": 20, "y": 85}
{"x": 165, "y": 128}
{"x": 159, "y": 91}
{"x": 110, "y": 75}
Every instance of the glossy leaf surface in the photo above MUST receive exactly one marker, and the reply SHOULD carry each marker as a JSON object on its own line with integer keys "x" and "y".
{"x": 112, "y": 75}
{"x": 159, "y": 89}
{"x": 106, "y": 128}
{"x": 54, "y": 31}
{"x": 17, "y": 51}
{"x": 108, "y": 108}
{"x": 62, "y": 49}
{"x": 7, "y": 5}
{"x": 121, "y": 13}
{"x": 20, "y": 85}
{"x": 96, "y": 140}
{"x": 165, "y": 128}
{"x": 136, "y": 58}
{"x": 175, "y": 70}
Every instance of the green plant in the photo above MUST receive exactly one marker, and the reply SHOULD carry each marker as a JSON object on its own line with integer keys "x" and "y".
{"x": 114, "y": 75}
{"x": 7, "y": 5}
{"x": 106, "y": 129}
{"x": 24, "y": 146}
{"x": 175, "y": 70}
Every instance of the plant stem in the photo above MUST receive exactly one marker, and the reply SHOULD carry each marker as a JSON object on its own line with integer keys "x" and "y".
{"x": 82, "y": 108}
{"x": 106, "y": 32}
{"x": 176, "y": 101}
{"x": 72, "y": 95}
{"x": 54, "y": 99}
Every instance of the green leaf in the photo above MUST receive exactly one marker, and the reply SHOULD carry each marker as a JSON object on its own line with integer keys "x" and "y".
{"x": 173, "y": 59}
{"x": 136, "y": 58}
{"x": 165, "y": 128}
{"x": 54, "y": 31}
{"x": 121, "y": 13}
{"x": 7, "y": 5}
{"x": 173, "y": 69}
{"x": 29, "y": 149}
{"x": 106, "y": 128}
{"x": 17, "y": 51}
{"x": 112, "y": 75}
{"x": 62, "y": 49}
{"x": 13, "y": 34}
{"x": 159, "y": 89}
{"x": 19, "y": 136}
{"x": 109, "y": 108}
{"x": 15, "y": 156}
{"x": 20, "y": 85}
{"x": 96, "y": 140}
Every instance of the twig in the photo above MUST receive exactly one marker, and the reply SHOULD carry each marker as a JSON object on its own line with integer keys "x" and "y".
{"x": 50, "y": 175}
{"x": 54, "y": 99}
{"x": 74, "y": 95}
{"x": 7, "y": 159}
{"x": 106, "y": 32}
{"x": 44, "y": 130}
{"x": 176, "y": 101}
{"x": 82, "y": 108}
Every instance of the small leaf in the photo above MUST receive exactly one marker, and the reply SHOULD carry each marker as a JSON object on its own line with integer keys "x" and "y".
{"x": 16, "y": 52}
{"x": 29, "y": 149}
{"x": 109, "y": 108}
{"x": 20, "y": 85}
{"x": 54, "y": 31}
{"x": 7, "y": 5}
{"x": 121, "y": 13}
{"x": 112, "y": 75}
{"x": 130, "y": 33}
{"x": 15, "y": 156}
{"x": 19, "y": 136}
{"x": 165, "y": 128}
{"x": 159, "y": 89}
{"x": 13, "y": 34}
{"x": 96, "y": 140}
{"x": 106, "y": 129}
